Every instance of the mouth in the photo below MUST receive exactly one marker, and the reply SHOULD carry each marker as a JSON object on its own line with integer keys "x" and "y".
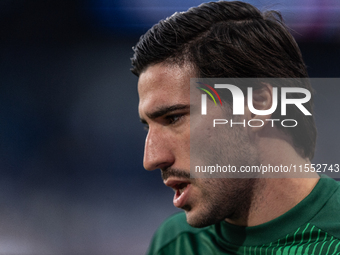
{"x": 182, "y": 191}
{"x": 181, "y": 187}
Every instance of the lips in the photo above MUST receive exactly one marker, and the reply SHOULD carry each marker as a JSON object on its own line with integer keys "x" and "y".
{"x": 182, "y": 191}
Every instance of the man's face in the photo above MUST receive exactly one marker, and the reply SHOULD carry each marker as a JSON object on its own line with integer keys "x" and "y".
{"x": 164, "y": 106}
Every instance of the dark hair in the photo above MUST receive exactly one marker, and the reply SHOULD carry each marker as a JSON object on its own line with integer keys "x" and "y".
{"x": 230, "y": 39}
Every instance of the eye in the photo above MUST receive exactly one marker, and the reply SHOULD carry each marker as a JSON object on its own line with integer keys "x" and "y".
{"x": 172, "y": 119}
{"x": 146, "y": 127}
{"x": 145, "y": 124}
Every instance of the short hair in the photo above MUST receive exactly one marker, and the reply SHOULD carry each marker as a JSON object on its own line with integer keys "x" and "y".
{"x": 230, "y": 40}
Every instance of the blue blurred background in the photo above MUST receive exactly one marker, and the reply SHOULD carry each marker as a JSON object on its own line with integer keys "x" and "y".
{"x": 71, "y": 145}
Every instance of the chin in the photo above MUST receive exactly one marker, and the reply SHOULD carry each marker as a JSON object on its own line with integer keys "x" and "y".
{"x": 200, "y": 219}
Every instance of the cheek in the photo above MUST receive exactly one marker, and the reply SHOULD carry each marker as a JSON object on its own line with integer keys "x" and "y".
{"x": 181, "y": 144}
{"x": 205, "y": 187}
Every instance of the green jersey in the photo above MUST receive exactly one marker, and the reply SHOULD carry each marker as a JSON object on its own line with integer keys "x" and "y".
{"x": 311, "y": 227}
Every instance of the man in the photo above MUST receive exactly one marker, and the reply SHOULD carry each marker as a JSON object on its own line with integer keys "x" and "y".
{"x": 231, "y": 215}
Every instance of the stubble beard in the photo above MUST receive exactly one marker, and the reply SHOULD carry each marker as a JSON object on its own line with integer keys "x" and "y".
{"x": 221, "y": 199}
{"x": 225, "y": 198}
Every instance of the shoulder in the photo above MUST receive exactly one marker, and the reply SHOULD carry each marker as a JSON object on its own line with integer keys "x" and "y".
{"x": 175, "y": 233}
{"x": 328, "y": 218}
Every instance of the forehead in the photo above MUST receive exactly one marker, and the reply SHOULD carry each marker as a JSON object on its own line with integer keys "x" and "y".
{"x": 163, "y": 84}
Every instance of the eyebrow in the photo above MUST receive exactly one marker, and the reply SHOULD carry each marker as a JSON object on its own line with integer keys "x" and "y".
{"x": 161, "y": 111}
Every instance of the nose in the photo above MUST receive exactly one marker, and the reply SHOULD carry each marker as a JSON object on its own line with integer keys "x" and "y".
{"x": 157, "y": 152}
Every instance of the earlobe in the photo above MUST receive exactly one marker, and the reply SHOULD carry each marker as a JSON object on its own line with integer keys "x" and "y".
{"x": 262, "y": 102}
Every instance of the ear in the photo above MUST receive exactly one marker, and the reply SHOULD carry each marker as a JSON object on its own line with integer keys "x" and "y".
{"x": 262, "y": 102}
